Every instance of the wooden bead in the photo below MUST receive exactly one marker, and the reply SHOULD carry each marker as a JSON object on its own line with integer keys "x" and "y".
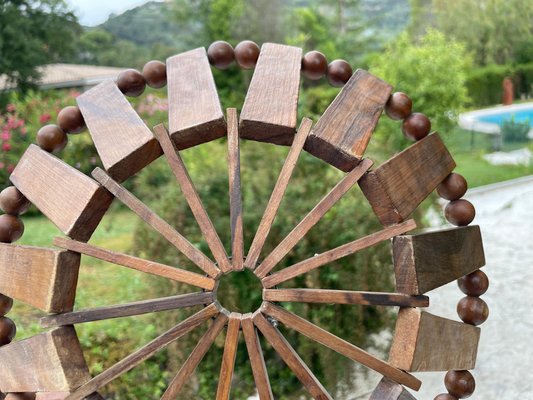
{"x": 416, "y": 126}
{"x": 314, "y": 65}
{"x": 155, "y": 74}
{"x": 70, "y": 120}
{"x": 339, "y": 72}
{"x": 6, "y": 303}
{"x": 460, "y": 212}
{"x": 13, "y": 202}
{"x": 453, "y": 187}
{"x": 246, "y": 54}
{"x": 398, "y": 106}
{"x": 472, "y": 310}
{"x": 445, "y": 396}
{"x": 8, "y": 330}
{"x": 131, "y": 82}
{"x": 460, "y": 384}
{"x": 220, "y": 54}
{"x": 20, "y": 396}
{"x": 51, "y": 138}
{"x": 474, "y": 284}
{"x": 11, "y": 228}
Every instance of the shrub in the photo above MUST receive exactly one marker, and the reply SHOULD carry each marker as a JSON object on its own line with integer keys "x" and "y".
{"x": 515, "y": 131}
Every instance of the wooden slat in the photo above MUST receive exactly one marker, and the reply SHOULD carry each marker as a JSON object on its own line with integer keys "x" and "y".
{"x": 339, "y": 345}
{"x": 272, "y": 207}
{"x": 194, "y": 112}
{"x": 156, "y": 222}
{"x": 425, "y": 342}
{"x": 312, "y": 218}
{"x": 291, "y": 358}
{"x": 429, "y": 260}
{"x": 342, "y": 251}
{"x": 399, "y": 185}
{"x": 136, "y": 263}
{"x": 257, "y": 361}
{"x": 228, "y": 359}
{"x": 194, "y": 358}
{"x": 271, "y": 104}
{"x": 193, "y": 199}
{"x": 128, "y": 309}
{"x": 342, "y": 133}
{"x": 345, "y": 297}
{"x": 50, "y": 361}
{"x": 387, "y": 389}
{"x": 124, "y": 143}
{"x": 144, "y": 352}
{"x": 71, "y": 200}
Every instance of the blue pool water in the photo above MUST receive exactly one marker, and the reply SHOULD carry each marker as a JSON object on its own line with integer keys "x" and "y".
{"x": 518, "y": 115}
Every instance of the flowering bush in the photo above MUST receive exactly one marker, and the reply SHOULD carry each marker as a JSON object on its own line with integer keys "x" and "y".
{"x": 14, "y": 139}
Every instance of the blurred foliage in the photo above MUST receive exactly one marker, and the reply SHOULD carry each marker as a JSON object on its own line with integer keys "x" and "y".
{"x": 515, "y": 131}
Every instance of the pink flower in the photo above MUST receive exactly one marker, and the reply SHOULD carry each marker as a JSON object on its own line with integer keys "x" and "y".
{"x": 45, "y": 118}
{"x": 10, "y": 168}
{"x": 11, "y": 108}
{"x": 6, "y": 136}
{"x": 23, "y": 131}
{"x": 2, "y": 165}
{"x": 20, "y": 123}
{"x": 6, "y": 147}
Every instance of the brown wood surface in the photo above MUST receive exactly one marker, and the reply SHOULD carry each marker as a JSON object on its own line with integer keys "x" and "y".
{"x": 339, "y": 345}
{"x": 429, "y": 260}
{"x": 43, "y": 278}
{"x": 271, "y": 104}
{"x": 399, "y": 185}
{"x": 124, "y": 143}
{"x": 228, "y": 359}
{"x": 156, "y": 222}
{"x": 144, "y": 352}
{"x": 63, "y": 395}
{"x": 138, "y": 264}
{"x": 50, "y": 361}
{"x": 387, "y": 389}
{"x": 255, "y": 354}
{"x": 342, "y": 251}
{"x": 425, "y": 342}
{"x": 291, "y": 358}
{"x": 272, "y": 207}
{"x": 342, "y": 133}
{"x": 71, "y": 200}
{"x": 193, "y": 199}
{"x": 194, "y": 112}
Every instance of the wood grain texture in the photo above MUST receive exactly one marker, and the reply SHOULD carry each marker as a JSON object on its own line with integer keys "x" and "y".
{"x": 271, "y": 104}
{"x": 342, "y": 133}
{"x": 71, "y": 200}
{"x": 339, "y": 345}
{"x": 425, "y": 342}
{"x": 387, "y": 389}
{"x": 128, "y": 309}
{"x": 329, "y": 256}
{"x": 144, "y": 352}
{"x": 255, "y": 354}
{"x": 138, "y": 264}
{"x": 228, "y": 359}
{"x": 156, "y": 222}
{"x": 54, "y": 358}
{"x": 282, "y": 182}
{"x": 291, "y": 358}
{"x": 429, "y": 260}
{"x": 43, "y": 278}
{"x": 123, "y": 141}
{"x": 305, "y": 225}
{"x": 194, "y": 112}
{"x": 399, "y": 185}
{"x": 193, "y": 199}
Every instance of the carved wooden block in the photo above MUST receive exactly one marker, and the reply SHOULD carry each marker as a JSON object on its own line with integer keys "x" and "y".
{"x": 387, "y": 389}
{"x": 425, "y": 342}
{"x": 342, "y": 133}
{"x": 429, "y": 260}
{"x": 399, "y": 185}
{"x": 74, "y": 202}
{"x": 48, "y": 362}
{"x": 124, "y": 143}
{"x": 269, "y": 112}
{"x": 43, "y": 278}
{"x": 194, "y": 112}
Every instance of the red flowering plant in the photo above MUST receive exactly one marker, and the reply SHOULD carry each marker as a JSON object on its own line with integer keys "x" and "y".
{"x": 14, "y": 139}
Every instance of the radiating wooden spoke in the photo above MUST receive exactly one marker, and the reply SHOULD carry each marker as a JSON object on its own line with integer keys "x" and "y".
{"x": 312, "y": 218}
{"x": 195, "y": 357}
{"x": 156, "y": 222}
{"x": 139, "y": 264}
{"x": 191, "y": 195}
{"x": 277, "y": 194}
{"x": 230, "y": 352}
{"x": 339, "y": 252}
{"x": 128, "y": 309}
{"x": 291, "y": 358}
{"x": 345, "y": 297}
{"x": 339, "y": 345}
{"x": 144, "y": 352}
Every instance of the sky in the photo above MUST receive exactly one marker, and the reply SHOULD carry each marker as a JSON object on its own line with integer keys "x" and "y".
{"x": 94, "y": 12}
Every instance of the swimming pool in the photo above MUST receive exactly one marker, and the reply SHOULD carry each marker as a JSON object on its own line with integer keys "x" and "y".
{"x": 489, "y": 120}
